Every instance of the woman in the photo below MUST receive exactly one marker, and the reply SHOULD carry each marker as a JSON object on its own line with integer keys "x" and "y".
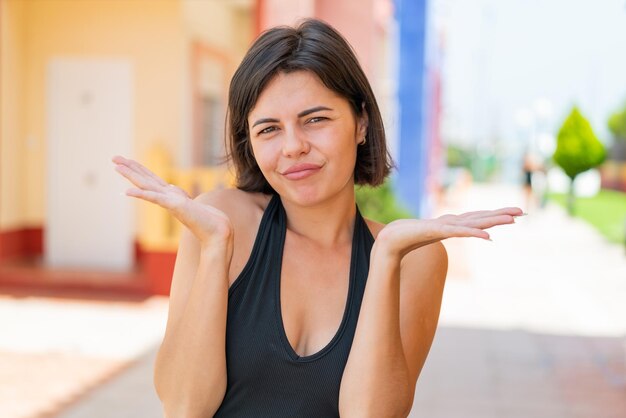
{"x": 270, "y": 278}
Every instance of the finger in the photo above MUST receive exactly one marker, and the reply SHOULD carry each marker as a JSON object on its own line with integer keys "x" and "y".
{"x": 139, "y": 168}
{"x": 461, "y": 231}
{"x": 143, "y": 169}
{"x": 138, "y": 179}
{"x": 125, "y": 162}
{"x": 474, "y": 214}
{"x": 489, "y": 222}
{"x": 118, "y": 159}
{"x": 511, "y": 211}
{"x": 150, "y": 196}
{"x": 169, "y": 188}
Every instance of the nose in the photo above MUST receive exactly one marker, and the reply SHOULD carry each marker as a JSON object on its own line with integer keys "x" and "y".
{"x": 295, "y": 143}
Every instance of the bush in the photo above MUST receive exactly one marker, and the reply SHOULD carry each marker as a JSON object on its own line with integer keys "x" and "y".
{"x": 458, "y": 156}
{"x": 380, "y": 203}
{"x": 482, "y": 165}
{"x": 617, "y": 124}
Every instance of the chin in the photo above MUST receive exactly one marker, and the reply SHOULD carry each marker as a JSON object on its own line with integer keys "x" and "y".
{"x": 304, "y": 199}
{"x": 310, "y": 193}
{"x": 305, "y": 196}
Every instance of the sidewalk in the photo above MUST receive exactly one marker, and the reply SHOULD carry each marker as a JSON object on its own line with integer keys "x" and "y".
{"x": 533, "y": 325}
{"x": 56, "y": 350}
{"x": 131, "y": 395}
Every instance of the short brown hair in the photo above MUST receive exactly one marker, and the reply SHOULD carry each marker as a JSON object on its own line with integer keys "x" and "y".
{"x": 313, "y": 46}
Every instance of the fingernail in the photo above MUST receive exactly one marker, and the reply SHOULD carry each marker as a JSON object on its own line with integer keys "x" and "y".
{"x": 517, "y": 216}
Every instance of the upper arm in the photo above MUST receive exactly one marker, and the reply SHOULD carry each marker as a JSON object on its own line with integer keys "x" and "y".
{"x": 422, "y": 278}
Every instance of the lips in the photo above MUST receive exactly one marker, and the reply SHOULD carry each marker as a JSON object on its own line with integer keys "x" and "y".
{"x": 300, "y": 171}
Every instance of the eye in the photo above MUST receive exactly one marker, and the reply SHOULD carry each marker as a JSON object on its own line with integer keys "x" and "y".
{"x": 316, "y": 119}
{"x": 266, "y": 130}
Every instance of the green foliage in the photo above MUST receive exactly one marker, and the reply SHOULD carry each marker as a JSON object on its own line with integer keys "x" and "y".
{"x": 578, "y": 149}
{"x": 458, "y": 157}
{"x": 380, "y": 203}
{"x": 606, "y": 211}
{"x": 617, "y": 124}
{"x": 482, "y": 165}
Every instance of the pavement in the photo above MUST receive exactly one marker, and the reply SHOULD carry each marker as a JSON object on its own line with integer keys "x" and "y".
{"x": 533, "y": 324}
{"x": 57, "y": 353}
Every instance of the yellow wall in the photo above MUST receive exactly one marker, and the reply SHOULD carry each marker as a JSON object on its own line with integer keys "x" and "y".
{"x": 148, "y": 32}
{"x": 11, "y": 114}
{"x": 155, "y": 35}
{"x": 228, "y": 28}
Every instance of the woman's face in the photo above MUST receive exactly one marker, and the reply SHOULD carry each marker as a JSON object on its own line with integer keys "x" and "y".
{"x": 304, "y": 138}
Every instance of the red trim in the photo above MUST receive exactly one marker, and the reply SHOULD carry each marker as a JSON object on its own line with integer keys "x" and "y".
{"x": 29, "y": 276}
{"x": 1, "y": 106}
{"x": 21, "y": 267}
{"x": 33, "y": 241}
{"x": 23, "y": 242}
{"x": 157, "y": 268}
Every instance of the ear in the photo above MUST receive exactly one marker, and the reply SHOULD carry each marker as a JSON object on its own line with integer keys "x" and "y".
{"x": 362, "y": 122}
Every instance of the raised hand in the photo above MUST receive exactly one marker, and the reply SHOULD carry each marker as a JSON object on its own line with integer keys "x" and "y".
{"x": 404, "y": 235}
{"x": 207, "y": 223}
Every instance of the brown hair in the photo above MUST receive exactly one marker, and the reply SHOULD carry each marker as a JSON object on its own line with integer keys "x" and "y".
{"x": 311, "y": 46}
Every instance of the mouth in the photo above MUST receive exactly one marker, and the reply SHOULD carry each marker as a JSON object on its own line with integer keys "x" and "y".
{"x": 301, "y": 171}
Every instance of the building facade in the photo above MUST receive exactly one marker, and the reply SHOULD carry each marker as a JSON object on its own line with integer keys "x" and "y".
{"x": 82, "y": 81}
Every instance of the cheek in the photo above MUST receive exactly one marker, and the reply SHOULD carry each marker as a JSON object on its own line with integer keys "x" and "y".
{"x": 264, "y": 156}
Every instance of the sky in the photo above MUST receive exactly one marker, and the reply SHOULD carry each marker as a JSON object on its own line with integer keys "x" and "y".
{"x": 512, "y": 67}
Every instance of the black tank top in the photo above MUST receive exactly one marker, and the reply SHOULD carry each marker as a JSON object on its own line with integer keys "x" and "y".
{"x": 266, "y": 377}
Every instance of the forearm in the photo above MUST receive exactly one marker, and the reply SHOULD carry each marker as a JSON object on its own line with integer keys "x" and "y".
{"x": 190, "y": 371}
{"x": 376, "y": 380}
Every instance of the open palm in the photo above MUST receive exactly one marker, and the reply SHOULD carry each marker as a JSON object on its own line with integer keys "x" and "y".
{"x": 404, "y": 235}
{"x": 206, "y": 222}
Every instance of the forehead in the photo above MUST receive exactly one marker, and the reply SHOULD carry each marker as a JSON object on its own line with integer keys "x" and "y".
{"x": 294, "y": 91}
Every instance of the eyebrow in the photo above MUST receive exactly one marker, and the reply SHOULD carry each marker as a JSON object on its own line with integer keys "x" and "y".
{"x": 301, "y": 114}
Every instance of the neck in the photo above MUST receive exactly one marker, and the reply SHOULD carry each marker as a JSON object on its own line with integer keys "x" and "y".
{"x": 328, "y": 224}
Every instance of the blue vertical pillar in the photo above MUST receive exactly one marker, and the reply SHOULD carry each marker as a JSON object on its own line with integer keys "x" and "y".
{"x": 409, "y": 183}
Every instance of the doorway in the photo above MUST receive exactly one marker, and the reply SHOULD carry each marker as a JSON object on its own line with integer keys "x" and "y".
{"x": 89, "y": 225}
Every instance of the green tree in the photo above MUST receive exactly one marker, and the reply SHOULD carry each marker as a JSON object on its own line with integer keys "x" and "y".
{"x": 578, "y": 149}
{"x": 617, "y": 124}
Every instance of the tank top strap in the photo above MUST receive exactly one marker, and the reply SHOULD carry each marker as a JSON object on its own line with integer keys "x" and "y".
{"x": 264, "y": 242}
{"x": 363, "y": 241}
{"x": 366, "y": 239}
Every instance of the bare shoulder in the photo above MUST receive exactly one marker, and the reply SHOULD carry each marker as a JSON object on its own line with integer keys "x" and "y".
{"x": 228, "y": 200}
{"x": 245, "y": 210}
{"x": 242, "y": 208}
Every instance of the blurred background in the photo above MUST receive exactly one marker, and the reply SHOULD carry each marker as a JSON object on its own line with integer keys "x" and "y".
{"x": 486, "y": 104}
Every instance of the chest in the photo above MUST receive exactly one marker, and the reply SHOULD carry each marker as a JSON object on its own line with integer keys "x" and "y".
{"x": 314, "y": 287}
